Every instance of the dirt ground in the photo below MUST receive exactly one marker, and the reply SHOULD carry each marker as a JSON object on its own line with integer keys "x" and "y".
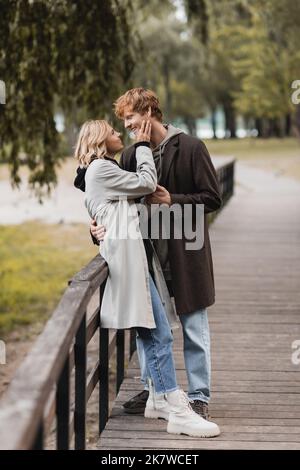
{"x": 17, "y": 344}
{"x": 64, "y": 205}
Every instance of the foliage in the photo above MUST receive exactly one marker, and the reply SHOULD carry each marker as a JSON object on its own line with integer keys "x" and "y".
{"x": 64, "y": 53}
{"x": 36, "y": 263}
{"x": 77, "y": 56}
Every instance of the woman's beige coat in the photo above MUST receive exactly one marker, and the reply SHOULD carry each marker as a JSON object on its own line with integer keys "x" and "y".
{"x": 109, "y": 198}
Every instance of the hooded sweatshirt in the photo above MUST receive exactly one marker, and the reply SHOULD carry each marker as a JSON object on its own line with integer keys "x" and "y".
{"x": 159, "y": 150}
{"x": 161, "y": 245}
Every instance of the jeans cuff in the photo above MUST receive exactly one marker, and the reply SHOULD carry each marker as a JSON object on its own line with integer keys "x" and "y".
{"x": 167, "y": 391}
{"x": 198, "y": 397}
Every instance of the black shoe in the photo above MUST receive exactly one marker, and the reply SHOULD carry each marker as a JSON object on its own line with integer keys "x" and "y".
{"x": 136, "y": 405}
{"x": 201, "y": 408}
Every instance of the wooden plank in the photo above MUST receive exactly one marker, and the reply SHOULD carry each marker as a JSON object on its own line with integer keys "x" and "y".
{"x": 185, "y": 443}
{"x": 95, "y": 272}
{"x": 130, "y": 389}
{"x": 230, "y": 435}
{"x": 234, "y": 411}
{"x": 233, "y": 427}
{"x": 92, "y": 325}
{"x": 228, "y": 374}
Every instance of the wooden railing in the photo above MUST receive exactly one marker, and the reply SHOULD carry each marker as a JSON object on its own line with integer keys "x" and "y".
{"x": 41, "y": 391}
{"x": 225, "y": 172}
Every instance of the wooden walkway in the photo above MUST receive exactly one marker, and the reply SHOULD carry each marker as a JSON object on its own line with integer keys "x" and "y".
{"x": 255, "y": 385}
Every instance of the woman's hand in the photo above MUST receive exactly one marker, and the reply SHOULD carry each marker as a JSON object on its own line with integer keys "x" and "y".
{"x": 144, "y": 132}
{"x": 98, "y": 231}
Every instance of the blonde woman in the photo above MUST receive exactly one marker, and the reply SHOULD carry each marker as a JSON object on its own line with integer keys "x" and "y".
{"x": 131, "y": 298}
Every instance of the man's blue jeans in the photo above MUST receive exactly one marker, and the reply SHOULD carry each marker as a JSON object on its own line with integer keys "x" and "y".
{"x": 157, "y": 348}
{"x": 196, "y": 340}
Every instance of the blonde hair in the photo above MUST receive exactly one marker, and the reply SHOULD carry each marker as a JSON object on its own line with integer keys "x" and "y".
{"x": 91, "y": 141}
{"x": 139, "y": 100}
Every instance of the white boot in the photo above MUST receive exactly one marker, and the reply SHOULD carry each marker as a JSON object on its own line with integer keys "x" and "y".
{"x": 157, "y": 405}
{"x": 183, "y": 420}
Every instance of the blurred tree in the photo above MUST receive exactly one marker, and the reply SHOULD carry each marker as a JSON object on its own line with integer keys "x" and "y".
{"x": 159, "y": 31}
{"x": 259, "y": 47}
{"x": 197, "y": 13}
{"x": 265, "y": 63}
{"x": 76, "y": 54}
{"x": 252, "y": 59}
{"x": 171, "y": 64}
{"x": 282, "y": 21}
{"x": 27, "y": 123}
{"x": 162, "y": 45}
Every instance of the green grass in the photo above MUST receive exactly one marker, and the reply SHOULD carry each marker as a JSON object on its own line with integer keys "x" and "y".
{"x": 255, "y": 148}
{"x": 37, "y": 260}
{"x": 279, "y": 156}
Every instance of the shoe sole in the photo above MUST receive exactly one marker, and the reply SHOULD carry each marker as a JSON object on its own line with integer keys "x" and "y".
{"x": 174, "y": 429}
{"x": 128, "y": 411}
{"x": 155, "y": 414}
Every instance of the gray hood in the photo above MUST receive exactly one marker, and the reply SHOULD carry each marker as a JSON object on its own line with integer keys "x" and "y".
{"x": 161, "y": 245}
{"x": 159, "y": 150}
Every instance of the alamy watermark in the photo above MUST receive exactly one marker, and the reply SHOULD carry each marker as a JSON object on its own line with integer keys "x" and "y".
{"x": 295, "y": 358}
{"x": 156, "y": 221}
{"x": 2, "y": 352}
{"x": 2, "y": 92}
{"x": 296, "y": 94}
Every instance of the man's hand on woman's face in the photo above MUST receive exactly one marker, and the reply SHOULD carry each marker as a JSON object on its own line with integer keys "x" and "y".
{"x": 98, "y": 231}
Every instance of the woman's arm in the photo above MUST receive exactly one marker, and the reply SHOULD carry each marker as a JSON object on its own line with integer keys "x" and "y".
{"x": 120, "y": 183}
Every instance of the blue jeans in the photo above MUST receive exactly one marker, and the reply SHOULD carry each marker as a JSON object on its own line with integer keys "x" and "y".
{"x": 157, "y": 347}
{"x": 196, "y": 340}
{"x": 143, "y": 363}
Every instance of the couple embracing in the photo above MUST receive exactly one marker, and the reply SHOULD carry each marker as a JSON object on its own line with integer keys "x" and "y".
{"x": 166, "y": 167}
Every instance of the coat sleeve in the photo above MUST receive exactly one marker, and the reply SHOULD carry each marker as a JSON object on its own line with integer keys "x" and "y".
{"x": 94, "y": 240}
{"x": 205, "y": 181}
{"x": 120, "y": 183}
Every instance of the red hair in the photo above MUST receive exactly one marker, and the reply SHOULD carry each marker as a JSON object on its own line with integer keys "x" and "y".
{"x": 138, "y": 100}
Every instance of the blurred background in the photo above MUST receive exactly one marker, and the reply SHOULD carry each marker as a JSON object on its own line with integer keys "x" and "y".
{"x": 227, "y": 71}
